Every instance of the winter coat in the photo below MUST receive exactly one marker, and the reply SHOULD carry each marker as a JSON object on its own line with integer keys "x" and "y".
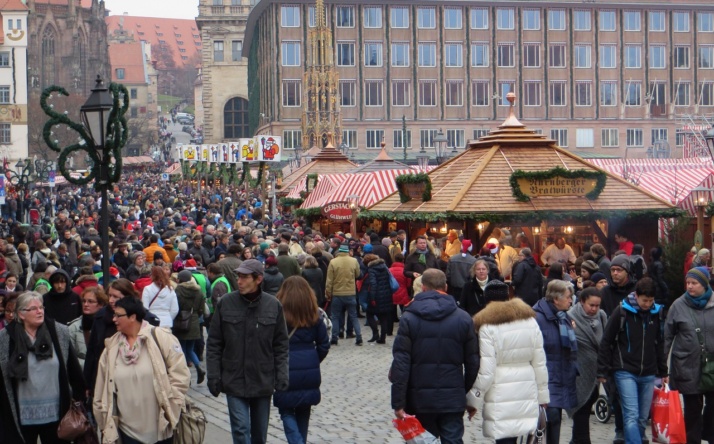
{"x": 562, "y": 362}
{"x": 85, "y": 281}
{"x": 342, "y": 273}
{"x": 76, "y": 335}
{"x": 165, "y": 306}
{"x": 472, "y": 299}
{"x": 379, "y": 289}
{"x": 656, "y": 272}
{"x": 308, "y": 347}
{"x": 190, "y": 298}
{"x": 412, "y": 264}
{"x": 528, "y": 280}
{"x": 316, "y": 279}
{"x": 12, "y": 261}
{"x": 70, "y": 378}
{"x": 681, "y": 338}
{"x": 62, "y": 307}
{"x": 435, "y": 356}
{"x": 272, "y": 280}
{"x": 512, "y": 377}
{"x": 612, "y": 295}
{"x": 588, "y": 348}
{"x": 153, "y": 248}
{"x": 383, "y": 252}
{"x": 458, "y": 272}
{"x": 401, "y": 296}
{"x": 171, "y": 381}
{"x": 247, "y": 346}
{"x": 288, "y": 266}
{"x": 635, "y": 346}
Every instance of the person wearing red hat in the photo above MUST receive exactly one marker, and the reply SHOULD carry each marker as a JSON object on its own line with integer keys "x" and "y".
{"x": 458, "y": 270}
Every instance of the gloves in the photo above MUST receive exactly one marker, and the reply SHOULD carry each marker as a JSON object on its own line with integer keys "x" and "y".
{"x": 282, "y": 386}
{"x": 214, "y": 386}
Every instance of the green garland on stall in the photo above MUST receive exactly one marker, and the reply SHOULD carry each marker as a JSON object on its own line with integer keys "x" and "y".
{"x": 412, "y": 179}
{"x": 520, "y": 196}
{"x": 246, "y": 171}
{"x": 308, "y": 212}
{"x": 311, "y": 177}
{"x": 291, "y": 201}
{"x": 709, "y": 210}
{"x": 244, "y": 174}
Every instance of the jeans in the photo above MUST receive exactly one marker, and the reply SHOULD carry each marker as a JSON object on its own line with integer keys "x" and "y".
{"x": 46, "y": 432}
{"x": 447, "y": 426}
{"x": 699, "y": 423}
{"x": 126, "y": 439}
{"x": 188, "y": 351}
{"x": 636, "y": 399}
{"x": 295, "y": 422}
{"x": 249, "y": 419}
{"x": 554, "y": 418}
{"x": 338, "y": 302}
{"x": 581, "y": 420}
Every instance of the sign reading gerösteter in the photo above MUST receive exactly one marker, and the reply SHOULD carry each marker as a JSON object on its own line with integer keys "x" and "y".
{"x": 337, "y": 211}
{"x": 557, "y": 182}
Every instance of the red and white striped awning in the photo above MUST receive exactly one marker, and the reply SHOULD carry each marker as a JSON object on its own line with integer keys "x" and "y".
{"x": 326, "y": 184}
{"x": 173, "y": 168}
{"x": 60, "y": 180}
{"x": 137, "y": 160}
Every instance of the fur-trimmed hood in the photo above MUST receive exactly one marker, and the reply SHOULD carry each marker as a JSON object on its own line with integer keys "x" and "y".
{"x": 375, "y": 262}
{"x": 497, "y": 313}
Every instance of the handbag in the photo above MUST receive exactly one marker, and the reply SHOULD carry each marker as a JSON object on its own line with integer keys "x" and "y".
{"x": 182, "y": 322}
{"x": 74, "y": 423}
{"x": 537, "y": 436}
{"x": 393, "y": 283}
{"x": 706, "y": 379}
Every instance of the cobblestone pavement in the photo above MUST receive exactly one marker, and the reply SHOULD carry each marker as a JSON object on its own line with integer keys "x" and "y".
{"x": 355, "y": 407}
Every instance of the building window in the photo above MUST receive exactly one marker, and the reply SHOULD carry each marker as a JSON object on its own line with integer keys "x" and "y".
{"x": 504, "y": 18}
{"x": 479, "y": 93}
{"x": 634, "y": 137}
{"x": 453, "y": 53}
{"x": 706, "y": 57}
{"x": 349, "y": 137}
{"x": 633, "y": 56}
{"x": 656, "y": 21}
{"x": 581, "y": 20}
{"x": 290, "y": 16}
{"x": 4, "y": 59}
{"x": 427, "y": 138}
{"x": 608, "y": 56}
{"x": 609, "y": 138}
{"x": 347, "y": 93}
{"x": 399, "y": 17}
{"x": 374, "y": 138}
{"x": 705, "y": 22}
{"x": 659, "y": 134}
{"x": 557, "y": 93}
{"x": 560, "y": 136}
{"x": 345, "y": 54}
{"x": 583, "y": 93}
{"x": 4, "y": 94}
{"x": 373, "y": 92}
{"x": 556, "y": 55}
{"x": 479, "y": 55}
{"x": 657, "y": 97}
{"x": 505, "y": 55}
{"x": 680, "y": 58}
{"x": 632, "y": 20}
{"x": 218, "y": 51}
{"x": 400, "y": 92}
{"x": 504, "y": 88}
{"x": 399, "y": 139}
{"x": 657, "y": 57}
{"x": 531, "y": 19}
{"x": 455, "y": 138}
{"x": 531, "y": 55}
{"x": 556, "y": 19}
{"x": 452, "y": 18}
{"x": 706, "y": 93}
{"x": 679, "y": 136}
{"x": 119, "y": 73}
{"x": 479, "y": 18}
{"x": 633, "y": 94}
{"x": 454, "y": 91}
{"x": 291, "y": 53}
{"x": 427, "y": 54}
{"x": 372, "y": 54}
{"x": 133, "y": 93}
{"x": 608, "y": 93}
{"x": 479, "y": 133}
{"x": 291, "y": 92}
{"x": 372, "y": 16}
{"x": 531, "y": 93}
{"x": 681, "y": 94}
{"x": 427, "y": 92}
{"x": 584, "y": 138}
{"x": 582, "y": 56}
{"x": 311, "y": 16}
{"x": 345, "y": 17}
{"x": 5, "y": 133}
{"x": 236, "y": 50}
{"x": 400, "y": 54}
{"x": 292, "y": 139}
{"x": 426, "y": 18}
{"x": 608, "y": 21}
{"x": 680, "y": 21}
{"x": 235, "y": 119}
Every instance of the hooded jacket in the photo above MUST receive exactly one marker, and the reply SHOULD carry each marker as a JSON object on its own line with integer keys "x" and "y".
{"x": 435, "y": 356}
{"x": 528, "y": 280}
{"x": 190, "y": 299}
{"x": 612, "y": 295}
{"x": 272, "y": 280}
{"x": 85, "y": 281}
{"x": 316, "y": 279}
{"x": 401, "y": 296}
{"x": 62, "y": 307}
{"x": 379, "y": 290}
{"x": 12, "y": 261}
{"x": 165, "y": 305}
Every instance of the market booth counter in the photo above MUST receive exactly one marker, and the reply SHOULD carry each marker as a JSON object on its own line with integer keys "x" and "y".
{"x": 517, "y": 179}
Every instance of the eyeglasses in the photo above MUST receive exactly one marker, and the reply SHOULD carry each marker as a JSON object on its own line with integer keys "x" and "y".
{"x": 119, "y": 315}
{"x": 88, "y": 301}
{"x": 37, "y": 308}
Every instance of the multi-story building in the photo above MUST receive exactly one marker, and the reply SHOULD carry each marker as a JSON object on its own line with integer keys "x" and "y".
{"x": 13, "y": 79}
{"x": 605, "y": 77}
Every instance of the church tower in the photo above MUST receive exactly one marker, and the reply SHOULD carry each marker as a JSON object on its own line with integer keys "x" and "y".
{"x": 321, "y": 116}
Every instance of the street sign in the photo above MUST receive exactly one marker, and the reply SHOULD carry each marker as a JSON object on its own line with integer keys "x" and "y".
{"x": 51, "y": 179}
{"x": 165, "y": 177}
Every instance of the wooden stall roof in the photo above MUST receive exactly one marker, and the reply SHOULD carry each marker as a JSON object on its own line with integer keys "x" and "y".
{"x": 380, "y": 163}
{"x": 327, "y": 161}
{"x": 478, "y": 180}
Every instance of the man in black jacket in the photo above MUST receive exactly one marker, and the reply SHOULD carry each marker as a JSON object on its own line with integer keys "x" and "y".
{"x": 527, "y": 278}
{"x": 420, "y": 260}
{"x": 436, "y": 360}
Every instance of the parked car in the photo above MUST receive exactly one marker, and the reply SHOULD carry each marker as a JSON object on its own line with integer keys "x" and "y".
{"x": 184, "y": 121}
{"x": 187, "y": 129}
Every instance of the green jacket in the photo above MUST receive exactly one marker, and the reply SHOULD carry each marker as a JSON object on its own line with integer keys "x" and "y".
{"x": 342, "y": 273}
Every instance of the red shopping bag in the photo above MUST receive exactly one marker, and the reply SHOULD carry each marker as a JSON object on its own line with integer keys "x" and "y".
{"x": 667, "y": 417}
{"x": 412, "y": 431}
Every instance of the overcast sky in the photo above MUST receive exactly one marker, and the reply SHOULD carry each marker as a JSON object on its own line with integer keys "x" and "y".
{"x": 184, "y": 9}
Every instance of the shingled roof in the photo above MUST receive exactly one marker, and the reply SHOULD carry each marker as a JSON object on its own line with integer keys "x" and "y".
{"x": 327, "y": 161}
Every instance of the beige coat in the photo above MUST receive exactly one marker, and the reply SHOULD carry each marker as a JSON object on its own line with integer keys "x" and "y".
{"x": 171, "y": 381}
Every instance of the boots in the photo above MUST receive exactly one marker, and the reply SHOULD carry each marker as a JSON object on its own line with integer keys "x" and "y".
{"x": 201, "y": 375}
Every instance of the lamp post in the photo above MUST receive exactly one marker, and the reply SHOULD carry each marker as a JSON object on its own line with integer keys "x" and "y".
{"x": 440, "y": 142}
{"x": 701, "y": 198}
{"x": 20, "y": 178}
{"x": 423, "y": 162}
{"x": 353, "y": 202}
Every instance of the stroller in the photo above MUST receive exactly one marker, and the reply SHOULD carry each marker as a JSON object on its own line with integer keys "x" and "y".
{"x": 602, "y": 407}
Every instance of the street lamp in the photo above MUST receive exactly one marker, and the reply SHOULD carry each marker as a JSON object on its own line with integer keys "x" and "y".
{"x": 423, "y": 162}
{"x": 353, "y": 202}
{"x": 440, "y": 142}
{"x": 701, "y": 197}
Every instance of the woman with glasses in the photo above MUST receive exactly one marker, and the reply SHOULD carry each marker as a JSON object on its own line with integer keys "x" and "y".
{"x": 40, "y": 374}
{"x": 93, "y": 299}
{"x": 142, "y": 380}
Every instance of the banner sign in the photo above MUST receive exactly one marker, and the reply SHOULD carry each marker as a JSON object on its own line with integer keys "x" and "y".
{"x": 263, "y": 148}
{"x": 337, "y": 211}
{"x": 557, "y": 186}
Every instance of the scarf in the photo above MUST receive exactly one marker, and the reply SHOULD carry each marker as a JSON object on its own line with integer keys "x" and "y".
{"x": 567, "y": 334}
{"x": 422, "y": 256}
{"x": 701, "y": 301}
{"x": 87, "y": 322}
{"x": 252, "y": 297}
{"x": 130, "y": 354}
{"x": 42, "y": 348}
{"x": 481, "y": 283}
{"x": 577, "y": 313}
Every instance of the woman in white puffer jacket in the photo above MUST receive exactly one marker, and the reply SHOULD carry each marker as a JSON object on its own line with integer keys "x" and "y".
{"x": 160, "y": 298}
{"x": 512, "y": 379}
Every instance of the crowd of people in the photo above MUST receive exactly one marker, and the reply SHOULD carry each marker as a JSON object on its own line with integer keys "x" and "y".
{"x": 253, "y": 302}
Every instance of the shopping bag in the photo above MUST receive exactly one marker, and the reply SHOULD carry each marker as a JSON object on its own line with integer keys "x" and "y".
{"x": 412, "y": 431}
{"x": 667, "y": 417}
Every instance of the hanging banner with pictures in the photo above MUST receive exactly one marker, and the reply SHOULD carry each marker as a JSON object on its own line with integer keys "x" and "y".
{"x": 263, "y": 148}
{"x": 269, "y": 148}
{"x": 248, "y": 150}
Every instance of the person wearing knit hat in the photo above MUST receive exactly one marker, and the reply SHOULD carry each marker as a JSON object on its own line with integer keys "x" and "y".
{"x": 587, "y": 269}
{"x": 620, "y": 284}
{"x": 466, "y": 247}
{"x": 342, "y": 272}
{"x": 345, "y": 248}
{"x": 700, "y": 274}
{"x": 599, "y": 279}
{"x": 621, "y": 261}
{"x": 496, "y": 291}
{"x": 367, "y": 248}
